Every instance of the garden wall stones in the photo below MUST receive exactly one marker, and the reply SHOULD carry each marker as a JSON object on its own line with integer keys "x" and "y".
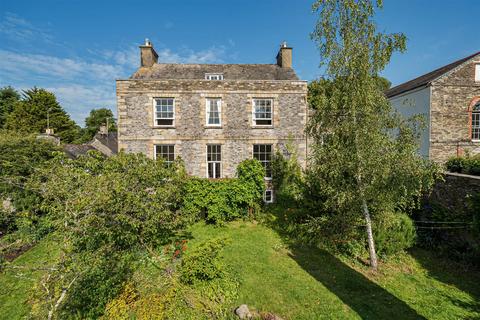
{"x": 453, "y": 193}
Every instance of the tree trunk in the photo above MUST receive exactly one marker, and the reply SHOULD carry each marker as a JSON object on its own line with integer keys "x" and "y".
{"x": 371, "y": 244}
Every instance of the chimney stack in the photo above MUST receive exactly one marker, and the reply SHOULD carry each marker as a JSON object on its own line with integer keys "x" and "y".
{"x": 148, "y": 55}
{"x": 284, "y": 56}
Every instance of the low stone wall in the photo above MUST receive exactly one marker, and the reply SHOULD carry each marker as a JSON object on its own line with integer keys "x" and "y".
{"x": 453, "y": 193}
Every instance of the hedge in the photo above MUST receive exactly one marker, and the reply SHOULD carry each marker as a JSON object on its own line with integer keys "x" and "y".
{"x": 467, "y": 165}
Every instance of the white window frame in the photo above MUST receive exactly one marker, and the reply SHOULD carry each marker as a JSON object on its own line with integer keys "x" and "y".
{"x": 475, "y": 117}
{"x": 207, "y": 112}
{"x": 214, "y": 162}
{"x": 254, "y": 119}
{"x": 264, "y": 161}
{"x": 155, "y": 113}
{"x": 477, "y": 72}
{"x": 265, "y": 195}
{"x": 164, "y": 145}
{"x": 214, "y": 76}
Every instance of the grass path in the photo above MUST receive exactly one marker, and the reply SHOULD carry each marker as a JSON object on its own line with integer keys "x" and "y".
{"x": 16, "y": 284}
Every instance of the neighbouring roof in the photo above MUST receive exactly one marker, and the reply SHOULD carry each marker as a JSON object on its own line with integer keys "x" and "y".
{"x": 73, "y": 151}
{"x": 109, "y": 140}
{"x": 164, "y": 71}
{"x": 427, "y": 78}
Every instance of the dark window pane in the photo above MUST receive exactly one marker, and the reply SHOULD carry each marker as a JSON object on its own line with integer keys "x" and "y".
{"x": 164, "y": 122}
{"x": 263, "y": 122}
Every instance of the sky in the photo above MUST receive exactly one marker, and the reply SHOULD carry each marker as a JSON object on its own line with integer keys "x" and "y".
{"x": 77, "y": 48}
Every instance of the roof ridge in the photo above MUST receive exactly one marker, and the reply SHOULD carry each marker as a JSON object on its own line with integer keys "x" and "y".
{"x": 428, "y": 77}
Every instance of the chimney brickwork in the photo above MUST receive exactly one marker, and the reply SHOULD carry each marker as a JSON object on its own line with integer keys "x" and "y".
{"x": 148, "y": 55}
{"x": 284, "y": 56}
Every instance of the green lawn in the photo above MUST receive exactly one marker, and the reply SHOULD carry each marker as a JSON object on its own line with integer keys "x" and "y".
{"x": 16, "y": 284}
{"x": 299, "y": 282}
{"x": 308, "y": 283}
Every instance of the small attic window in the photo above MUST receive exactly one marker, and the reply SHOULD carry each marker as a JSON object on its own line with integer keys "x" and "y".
{"x": 213, "y": 76}
{"x": 477, "y": 72}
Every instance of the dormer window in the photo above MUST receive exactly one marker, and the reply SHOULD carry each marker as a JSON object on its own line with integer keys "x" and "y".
{"x": 213, "y": 76}
{"x": 477, "y": 72}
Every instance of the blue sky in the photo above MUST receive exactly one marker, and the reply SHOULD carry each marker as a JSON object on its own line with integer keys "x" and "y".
{"x": 77, "y": 48}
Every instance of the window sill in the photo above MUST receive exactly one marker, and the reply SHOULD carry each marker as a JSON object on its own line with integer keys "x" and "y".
{"x": 213, "y": 127}
{"x": 262, "y": 127}
{"x": 163, "y": 127}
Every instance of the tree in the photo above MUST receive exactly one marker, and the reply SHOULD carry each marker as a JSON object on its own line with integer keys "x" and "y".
{"x": 37, "y": 110}
{"x": 95, "y": 120}
{"x": 8, "y": 98}
{"x": 363, "y": 153}
{"x": 320, "y": 87}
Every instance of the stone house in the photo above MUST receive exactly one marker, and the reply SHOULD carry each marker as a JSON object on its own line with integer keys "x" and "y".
{"x": 213, "y": 116}
{"x": 449, "y": 99}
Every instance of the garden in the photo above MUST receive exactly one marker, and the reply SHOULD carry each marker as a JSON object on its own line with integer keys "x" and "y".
{"x": 129, "y": 237}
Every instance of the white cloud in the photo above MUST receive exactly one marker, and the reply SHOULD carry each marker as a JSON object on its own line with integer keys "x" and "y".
{"x": 81, "y": 84}
{"x": 19, "y": 29}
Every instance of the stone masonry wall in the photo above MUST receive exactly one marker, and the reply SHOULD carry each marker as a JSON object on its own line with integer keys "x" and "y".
{"x": 451, "y": 96}
{"x": 190, "y": 135}
{"x": 453, "y": 192}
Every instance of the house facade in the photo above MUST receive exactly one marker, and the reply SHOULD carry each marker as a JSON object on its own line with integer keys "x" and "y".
{"x": 449, "y": 100}
{"x": 213, "y": 116}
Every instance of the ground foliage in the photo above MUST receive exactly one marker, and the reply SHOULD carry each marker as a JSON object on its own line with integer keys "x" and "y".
{"x": 196, "y": 286}
{"x": 111, "y": 211}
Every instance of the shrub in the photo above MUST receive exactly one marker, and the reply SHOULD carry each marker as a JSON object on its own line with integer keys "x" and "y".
{"x": 109, "y": 210}
{"x": 200, "y": 288}
{"x": 467, "y": 165}
{"x": 393, "y": 233}
{"x": 223, "y": 200}
{"x": 287, "y": 180}
{"x": 203, "y": 263}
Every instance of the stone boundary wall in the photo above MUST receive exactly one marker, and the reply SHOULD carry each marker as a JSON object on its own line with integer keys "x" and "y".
{"x": 454, "y": 191}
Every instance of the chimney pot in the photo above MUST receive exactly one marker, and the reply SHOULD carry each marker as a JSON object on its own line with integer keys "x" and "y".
{"x": 148, "y": 55}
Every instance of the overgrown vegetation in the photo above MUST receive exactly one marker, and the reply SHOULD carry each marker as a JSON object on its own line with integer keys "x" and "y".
{"x": 110, "y": 211}
{"x": 218, "y": 201}
{"x": 22, "y": 220}
{"x": 451, "y": 232}
{"x": 116, "y": 213}
{"x": 196, "y": 286}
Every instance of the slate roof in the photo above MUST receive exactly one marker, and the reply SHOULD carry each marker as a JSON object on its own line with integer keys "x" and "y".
{"x": 164, "y": 71}
{"x": 73, "y": 151}
{"x": 427, "y": 78}
{"x": 109, "y": 140}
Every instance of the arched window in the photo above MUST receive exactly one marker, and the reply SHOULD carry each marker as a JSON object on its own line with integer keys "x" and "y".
{"x": 475, "y": 121}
